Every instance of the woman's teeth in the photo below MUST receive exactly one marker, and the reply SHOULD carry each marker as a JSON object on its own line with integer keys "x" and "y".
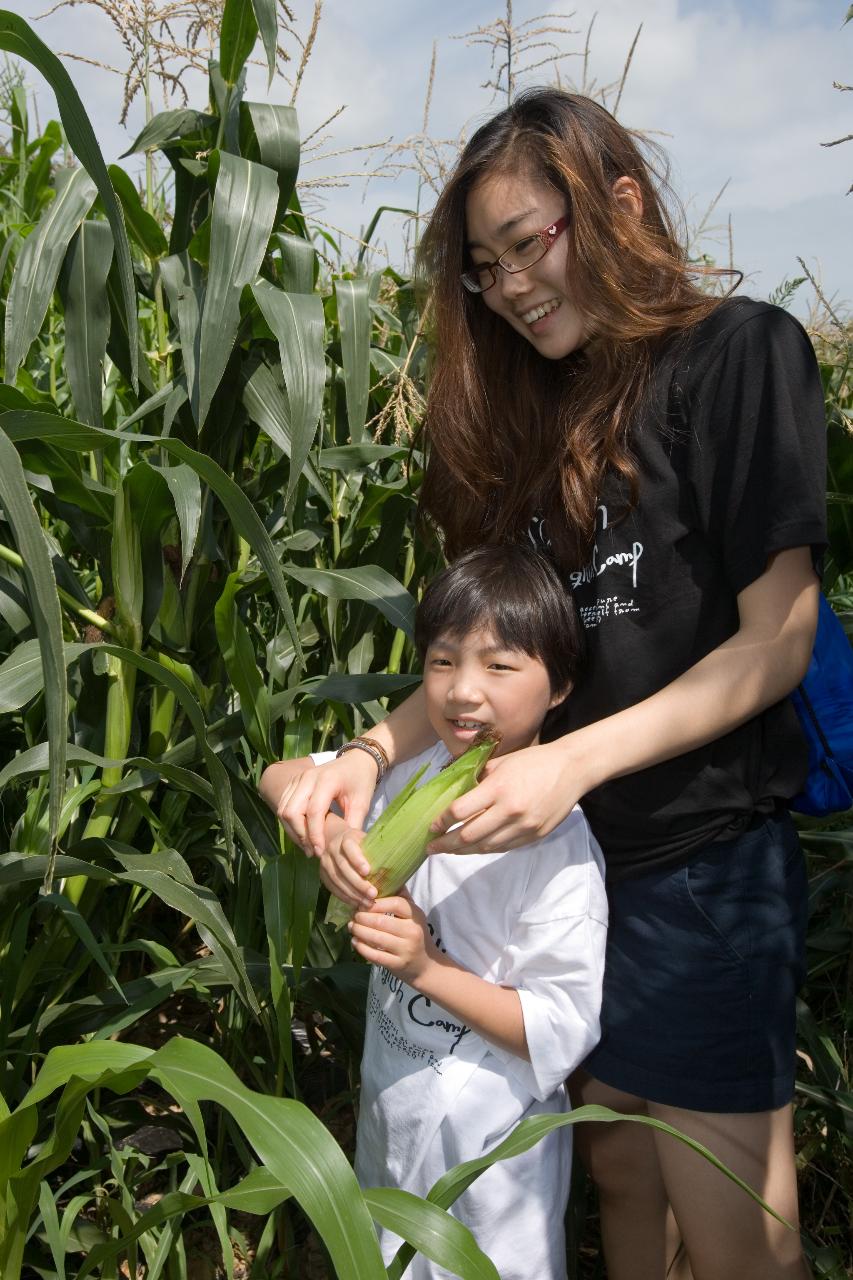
{"x": 537, "y": 313}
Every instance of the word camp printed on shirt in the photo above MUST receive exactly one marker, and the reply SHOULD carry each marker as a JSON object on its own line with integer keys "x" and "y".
{"x": 627, "y": 560}
{"x": 419, "y": 1011}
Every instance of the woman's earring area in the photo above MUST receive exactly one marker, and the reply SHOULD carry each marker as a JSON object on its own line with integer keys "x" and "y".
{"x": 628, "y": 196}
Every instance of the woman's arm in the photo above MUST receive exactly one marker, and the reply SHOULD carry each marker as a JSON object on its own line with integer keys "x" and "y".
{"x": 526, "y": 794}
{"x": 394, "y": 934}
{"x": 351, "y": 780}
{"x": 276, "y": 778}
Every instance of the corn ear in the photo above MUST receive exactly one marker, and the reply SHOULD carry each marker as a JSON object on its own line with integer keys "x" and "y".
{"x": 395, "y": 846}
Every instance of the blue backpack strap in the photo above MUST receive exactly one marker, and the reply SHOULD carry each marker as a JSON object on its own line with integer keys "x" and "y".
{"x": 824, "y": 705}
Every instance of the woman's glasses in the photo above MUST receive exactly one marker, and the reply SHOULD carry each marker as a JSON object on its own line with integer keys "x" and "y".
{"x": 523, "y": 254}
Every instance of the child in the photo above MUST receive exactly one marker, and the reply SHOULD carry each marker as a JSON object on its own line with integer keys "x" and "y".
{"x": 486, "y": 985}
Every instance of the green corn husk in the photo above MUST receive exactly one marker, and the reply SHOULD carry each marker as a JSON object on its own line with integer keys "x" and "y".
{"x": 395, "y": 846}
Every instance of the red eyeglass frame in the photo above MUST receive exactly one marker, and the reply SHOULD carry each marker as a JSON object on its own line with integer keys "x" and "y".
{"x": 547, "y": 237}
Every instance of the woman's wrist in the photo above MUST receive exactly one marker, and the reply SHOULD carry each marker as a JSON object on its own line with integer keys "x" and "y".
{"x": 584, "y": 756}
{"x": 405, "y": 731}
{"x": 371, "y": 747}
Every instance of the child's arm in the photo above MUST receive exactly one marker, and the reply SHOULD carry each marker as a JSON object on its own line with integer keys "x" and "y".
{"x": 394, "y": 933}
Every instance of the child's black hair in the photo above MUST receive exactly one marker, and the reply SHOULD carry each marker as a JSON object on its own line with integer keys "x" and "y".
{"x": 515, "y": 592}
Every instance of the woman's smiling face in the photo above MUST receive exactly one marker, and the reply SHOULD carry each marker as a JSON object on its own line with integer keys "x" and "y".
{"x": 500, "y": 211}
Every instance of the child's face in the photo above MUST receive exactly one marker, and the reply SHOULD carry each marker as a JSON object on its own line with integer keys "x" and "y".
{"x": 473, "y": 681}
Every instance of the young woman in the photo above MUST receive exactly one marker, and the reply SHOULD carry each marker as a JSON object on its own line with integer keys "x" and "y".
{"x": 666, "y": 449}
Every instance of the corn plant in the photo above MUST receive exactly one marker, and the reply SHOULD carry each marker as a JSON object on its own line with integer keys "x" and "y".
{"x": 201, "y": 554}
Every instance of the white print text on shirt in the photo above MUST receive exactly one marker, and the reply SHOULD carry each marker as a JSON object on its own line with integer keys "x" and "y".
{"x": 597, "y": 567}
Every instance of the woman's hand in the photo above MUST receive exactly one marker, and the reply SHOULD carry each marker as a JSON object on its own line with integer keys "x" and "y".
{"x": 394, "y": 933}
{"x": 343, "y": 867}
{"x": 348, "y": 782}
{"x": 522, "y": 797}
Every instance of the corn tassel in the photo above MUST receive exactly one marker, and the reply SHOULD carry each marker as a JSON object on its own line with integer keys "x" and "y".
{"x": 395, "y": 846}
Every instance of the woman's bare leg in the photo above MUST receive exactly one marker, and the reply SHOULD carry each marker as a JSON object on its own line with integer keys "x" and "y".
{"x": 726, "y": 1233}
{"x": 653, "y": 1189}
{"x": 623, "y": 1163}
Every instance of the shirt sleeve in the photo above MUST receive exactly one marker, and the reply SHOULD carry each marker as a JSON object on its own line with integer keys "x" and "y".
{"x": 555, "y": 961}
{"x": 758, "y": 445}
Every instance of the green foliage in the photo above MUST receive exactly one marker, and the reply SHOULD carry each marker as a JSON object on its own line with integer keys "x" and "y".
{"x": 215, "y": 560}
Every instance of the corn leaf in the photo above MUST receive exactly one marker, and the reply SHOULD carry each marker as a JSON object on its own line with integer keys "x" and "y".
{"x": 173, "y": 1204}
{"x": 353, "y": 300}
{"x": 355, "y": 457}
{"x": 142, "y": 225}
{"x": 293, "y": 1144}
{"x": 22, "y": 674}
{"x": 83, "y": 289}
{"x": 246, "y": 522}
{"x": 237, "y": 37}
{"x": 301, "y": 878}
{"x": 244, "y": 207}
{"x": 21, "y": 426}
{"x": 17, "y": 37}
{"x": 200, "y": 905}
{"x": 298, "y": 323}
{"x": 127, "y": 560}
{"x": 182, "y": 280}
{"x": 125, "y": 345}
{"x": 151, "y": 507}
{"x": 53, "y": 474}
{"x": 267, "y": 20}
{"x": 168, "y": 126}
{"x": 80, "y": 927}
{"x": 216, "y": 769}
{"x": 38, "y": 264}
{"x": 50, "y": 1220}
{"x": 433, "y": 1232}
{"x": 276, "y": 129}
{"x": 352, "y": 688}
{"x": 367, "y": 582}
{"x": 185, "y": 488}
{"x": 238, "y": 653}
{"x": 40, "y": 583}
{"x": 298, "y": 262}
{"x": 266, "y": 405}
{"x": 525, "y": 1135}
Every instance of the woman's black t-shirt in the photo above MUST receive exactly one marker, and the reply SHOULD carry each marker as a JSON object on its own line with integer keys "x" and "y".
{"x": 731, "y": 457}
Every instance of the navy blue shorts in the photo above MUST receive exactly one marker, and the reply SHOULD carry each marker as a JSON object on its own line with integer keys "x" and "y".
{"x": 702, "y": 971}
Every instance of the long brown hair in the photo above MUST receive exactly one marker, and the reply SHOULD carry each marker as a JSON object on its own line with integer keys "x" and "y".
{"x": 509, "y": 432}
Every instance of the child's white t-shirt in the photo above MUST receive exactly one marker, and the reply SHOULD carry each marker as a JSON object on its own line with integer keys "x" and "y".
{"x": 435, "y": 1093}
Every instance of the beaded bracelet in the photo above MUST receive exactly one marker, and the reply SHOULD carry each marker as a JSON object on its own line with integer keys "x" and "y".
{"x": 373, "y": 749}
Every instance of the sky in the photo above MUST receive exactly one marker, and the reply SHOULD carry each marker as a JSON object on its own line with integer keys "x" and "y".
{"x": 739, "y": 92}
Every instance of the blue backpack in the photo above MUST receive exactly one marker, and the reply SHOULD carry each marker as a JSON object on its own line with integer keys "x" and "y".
{"x": 824, "y": 704}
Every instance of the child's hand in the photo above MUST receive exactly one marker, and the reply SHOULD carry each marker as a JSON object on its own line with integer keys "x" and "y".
{"x": 343, "y": 867}
{"x": 395, "y": 933}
